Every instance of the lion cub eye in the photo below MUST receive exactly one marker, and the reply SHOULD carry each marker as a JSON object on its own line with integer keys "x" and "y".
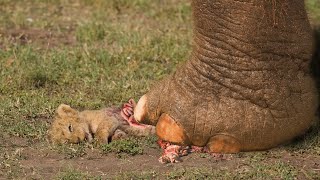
{"x": 70, "y": 128}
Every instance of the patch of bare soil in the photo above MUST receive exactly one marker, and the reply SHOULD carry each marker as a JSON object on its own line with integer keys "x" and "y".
{"x": 39, "y": 162}
{"x": 43, "y": 38}
{"x": 47, "y": 164}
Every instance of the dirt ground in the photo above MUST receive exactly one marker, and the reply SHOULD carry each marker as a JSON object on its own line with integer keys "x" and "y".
{"x": 37, "y": 162}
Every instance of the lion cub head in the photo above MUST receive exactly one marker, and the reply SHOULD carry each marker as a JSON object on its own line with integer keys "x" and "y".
{"x": 67, "y": 127}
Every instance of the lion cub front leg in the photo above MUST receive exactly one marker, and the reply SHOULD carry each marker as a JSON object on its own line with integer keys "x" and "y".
{"x": 105, "y": 130}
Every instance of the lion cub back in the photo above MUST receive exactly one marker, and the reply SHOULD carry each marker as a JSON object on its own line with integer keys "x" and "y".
{"x": 70, "y": 125}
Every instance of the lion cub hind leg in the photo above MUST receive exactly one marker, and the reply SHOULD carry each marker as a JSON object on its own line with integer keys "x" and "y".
{"x": 119, "y": 134}
{"x": 105, "y": 130}
{"x": 223, "y": 144}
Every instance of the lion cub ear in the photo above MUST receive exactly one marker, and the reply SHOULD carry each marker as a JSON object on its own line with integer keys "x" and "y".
{"x": 66, "y": 111}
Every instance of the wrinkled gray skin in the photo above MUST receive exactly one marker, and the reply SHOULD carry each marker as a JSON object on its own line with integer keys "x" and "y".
{"x": 248, "y": 76}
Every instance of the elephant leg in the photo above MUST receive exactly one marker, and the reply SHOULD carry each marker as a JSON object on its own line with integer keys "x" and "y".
{"x": 223, "y": 144}
{"x": 168, "y": 130}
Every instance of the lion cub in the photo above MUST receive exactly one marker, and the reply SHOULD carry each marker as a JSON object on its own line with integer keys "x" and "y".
{"x": 70, "y": 125}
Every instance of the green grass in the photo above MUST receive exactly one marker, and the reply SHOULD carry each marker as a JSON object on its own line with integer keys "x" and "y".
{"x": 129, "y": 146}
{"x": 314, "y": 10}
{"x": 124, "y": 146}
{"x": 96, "y": 53}
{"x": 71, "y": 174}
{"x": 255, "y": 170}
{"x": 110, "y": 62}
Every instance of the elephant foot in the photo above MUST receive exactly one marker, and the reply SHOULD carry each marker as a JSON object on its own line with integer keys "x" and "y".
{"x": 140, "y": 110}
{"x": 175, "y": 142}
{"x": 168, "y": 130}
{"x": 223, "y": 144}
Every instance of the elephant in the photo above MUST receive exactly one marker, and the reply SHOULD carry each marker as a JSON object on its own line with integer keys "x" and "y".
{"x": 247, "y": 85}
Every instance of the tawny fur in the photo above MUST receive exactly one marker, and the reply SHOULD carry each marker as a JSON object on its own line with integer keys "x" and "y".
{"x": 72, "y": 126}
